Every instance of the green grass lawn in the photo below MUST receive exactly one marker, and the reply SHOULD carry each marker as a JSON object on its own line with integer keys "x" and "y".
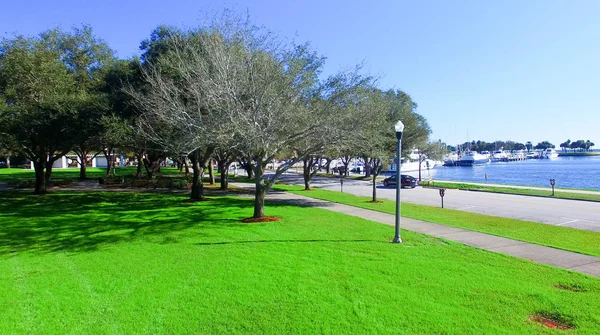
{"x": 511, "y": 190}
{"x": 15, "y": 175}
{"x": 581, "y": 241}
{"x": 151, "y": 263}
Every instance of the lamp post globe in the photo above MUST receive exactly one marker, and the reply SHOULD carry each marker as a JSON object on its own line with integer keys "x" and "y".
{"x": 399, "y": 127}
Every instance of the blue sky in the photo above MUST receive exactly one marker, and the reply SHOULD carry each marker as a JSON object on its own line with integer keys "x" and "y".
{"x": 521, "y": 70}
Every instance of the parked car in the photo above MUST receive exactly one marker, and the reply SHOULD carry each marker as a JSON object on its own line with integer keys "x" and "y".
{"x": 355, "y": 169}
{"x": 405, "y": 181}
{"x": 339, "y": 169}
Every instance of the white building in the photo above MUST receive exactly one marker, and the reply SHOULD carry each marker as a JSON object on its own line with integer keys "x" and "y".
{"x": 72, "y": 161}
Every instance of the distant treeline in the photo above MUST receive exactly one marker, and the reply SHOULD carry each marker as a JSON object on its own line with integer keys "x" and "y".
{"x": 579, "y": 145}
{"x": 501, "y": 145}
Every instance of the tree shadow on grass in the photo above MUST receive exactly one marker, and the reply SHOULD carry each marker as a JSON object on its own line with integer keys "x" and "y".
{"x": 88, "y": 221}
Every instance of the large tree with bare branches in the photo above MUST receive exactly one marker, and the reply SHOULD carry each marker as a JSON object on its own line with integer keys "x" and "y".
{"x": 263, "y": 87}
{"x": 176, "y": 113}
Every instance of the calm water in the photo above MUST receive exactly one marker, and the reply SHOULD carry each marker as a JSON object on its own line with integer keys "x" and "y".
{"x": 570, "y": 172}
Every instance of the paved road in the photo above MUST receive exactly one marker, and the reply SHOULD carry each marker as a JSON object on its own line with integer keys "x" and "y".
{"x": 559, "y": 212}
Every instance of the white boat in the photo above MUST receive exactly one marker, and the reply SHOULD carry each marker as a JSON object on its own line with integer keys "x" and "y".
{"x": 412, "y": 166}
{"x": 550, "y": 153}
{"x": 451, "y": 159}
{"x": 518, "y": 154}
{"x": 499, "y": 156}
{"x": 472, "y": 158}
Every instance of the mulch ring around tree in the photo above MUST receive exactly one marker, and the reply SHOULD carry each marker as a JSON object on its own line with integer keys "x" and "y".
{"x": 550, "y": 323}
{"x": 263, "y": 219}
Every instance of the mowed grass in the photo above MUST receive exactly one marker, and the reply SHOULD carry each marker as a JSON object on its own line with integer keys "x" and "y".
{"x": 519, "y": 191}
{"x": 581, "y": 241}
{"x": 15, "y": 175}
{"x": 151, "y": 263}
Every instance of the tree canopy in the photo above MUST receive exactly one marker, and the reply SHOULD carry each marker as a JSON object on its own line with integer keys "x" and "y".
{"x": 224, "y": 90}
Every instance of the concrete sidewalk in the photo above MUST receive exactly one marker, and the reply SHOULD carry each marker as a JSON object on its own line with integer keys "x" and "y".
{"x": 540, "y": 254}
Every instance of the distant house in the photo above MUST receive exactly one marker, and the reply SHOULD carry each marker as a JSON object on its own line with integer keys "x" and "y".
{"x": 72, "y": 161}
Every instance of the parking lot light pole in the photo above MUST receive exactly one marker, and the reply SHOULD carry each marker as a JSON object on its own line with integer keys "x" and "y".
{"x": 399, "y": 129}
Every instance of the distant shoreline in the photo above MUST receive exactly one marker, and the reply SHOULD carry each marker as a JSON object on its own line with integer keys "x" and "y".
{"x": 589, "y": 153}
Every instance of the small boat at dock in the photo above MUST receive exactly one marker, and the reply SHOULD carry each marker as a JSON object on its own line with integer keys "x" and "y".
{"x": 470, "y": 158}
{"x": 550, "y": 153}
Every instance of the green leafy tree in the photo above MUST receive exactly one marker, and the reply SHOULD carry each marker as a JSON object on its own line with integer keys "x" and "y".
{"x": 589, "y": 144}
{"x": 544, "y": 145}
{"x": 119, "y": 76}
{"x": 88, "y": 59}
{"x": 37, "y": 94}
{"x": 565, "y": 145}
{"x": 431, "y": 150}
{"x": 380, "y": 112}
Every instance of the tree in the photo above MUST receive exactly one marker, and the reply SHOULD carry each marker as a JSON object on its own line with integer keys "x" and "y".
{"x": 387, "y": 108}
{"x": 579, "y": 144}
{"x": 519, "y": 146}
{"x": 529, "y": 145}
{"x": 330, "y": 106}
{"x": 37, "y": 95}
{"x": 565, "y": 145}
{"x": 589, "y": 144}
{"x": 376, "y": 132}
{"x": 544, "y": 145}
{"x": 176, "y": 112}
{"x": 115, "y": 132}
{"x": 257, "y": 82}
{"x": 8, "y": 148}
{"x": 87, "y": 57}
{"x": 431, "y": 150}
{"x": 117, "y": 77}
{"x": 224, "y": 155}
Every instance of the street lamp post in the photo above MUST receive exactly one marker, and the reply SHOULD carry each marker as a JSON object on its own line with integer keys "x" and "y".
{"x": 399, "y": 127}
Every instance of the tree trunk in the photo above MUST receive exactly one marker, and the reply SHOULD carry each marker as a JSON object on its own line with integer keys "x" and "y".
{"x": 248, "y": 168}
{"x": 328, "y": 166}
{"x": 48, "y": 173}
{"x": 306, "y": 165}
{"x": 152, "y": 164}
{"x": 187, "y": 167}
{"x": 224, "y": 171}
{"x": 8, "y": 162}
{"x": 259, "y": 193}
{"x": 83, "y": 165}
{"x": 197, "y": 186}
{"x": 211, "y": 172}
{"x": 140, "y": 158}
{"x": 374, "y": 187}
{"x": 40, "y": 178}
{"x": 346, "y": 172}
{"x": 419, "y": 166}
{"x": 109, "y": 161}
{"x": 259, "y": 202}
{"x": 83, "y": 171}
